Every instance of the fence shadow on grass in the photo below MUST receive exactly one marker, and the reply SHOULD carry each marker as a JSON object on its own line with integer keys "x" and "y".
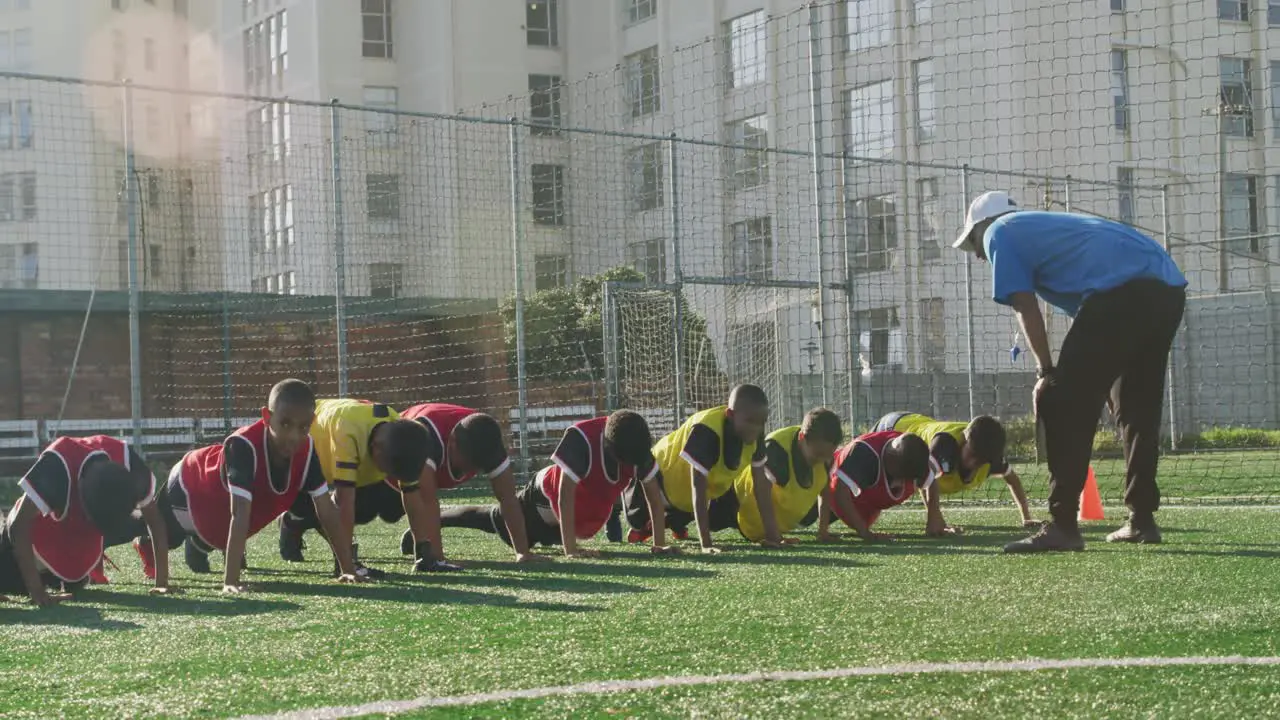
{"x": 631, "y": 566}
{"x": 184, "y": 604}
{"x": 416, "y": 593}
{"x": 68, "y": 615}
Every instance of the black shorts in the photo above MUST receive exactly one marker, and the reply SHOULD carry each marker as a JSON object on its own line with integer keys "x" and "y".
{"x": 722, "y": 512}
{"x": 373, "y": 502}
{"x": 536, "y": 508}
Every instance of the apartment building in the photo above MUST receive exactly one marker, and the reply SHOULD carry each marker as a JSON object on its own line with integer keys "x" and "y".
{"x": 1090, "y": 89}
{"x": 62, "y": 151}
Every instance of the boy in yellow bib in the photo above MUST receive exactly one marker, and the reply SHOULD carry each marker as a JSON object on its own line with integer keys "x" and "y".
{"x": 968, "y": 454}
{"x": 698, "y": 465}
{"x": 797, "y": 463}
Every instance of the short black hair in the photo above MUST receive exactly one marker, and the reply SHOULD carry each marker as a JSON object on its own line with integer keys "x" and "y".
{"x": 627, "y": 433}
{"x": 480, "y": 441}
{"x": 915, "y": 456}
{"x": 406, "y": 449}
{"x": 986, "y": 436}
{"x": 291, "y": 392}
{"x": 823, "y": 425}
{"x": 747, "y": 395}
{"x": 109, "y": 494}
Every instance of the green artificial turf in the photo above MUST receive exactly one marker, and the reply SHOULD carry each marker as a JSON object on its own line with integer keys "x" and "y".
{"x": 301, "y": 642}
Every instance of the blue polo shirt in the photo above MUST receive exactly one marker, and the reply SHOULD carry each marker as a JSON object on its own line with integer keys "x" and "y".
{"x": 1064, "y": 257}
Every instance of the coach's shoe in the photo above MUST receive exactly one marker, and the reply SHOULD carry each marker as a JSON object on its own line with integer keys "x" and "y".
{"x": 406, "y": 543}
{"x": 1138, "y": 530}
{"x": 98, "y": 575}
{"x": 148, "y": 556}
{"x": 290, "y": 540}
{"x": 197, "y": 561}
{"x": 1050, "y": 538}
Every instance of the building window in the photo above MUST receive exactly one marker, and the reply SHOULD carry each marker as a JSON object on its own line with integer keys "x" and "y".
{"x": 869, "y": 130}
{"x": 383, "y": 192}
{"x": 644, "y": 91}
{"x": 6, "y": 50}
{"x": 933, "y": 319}
{"x": 1125, "y": 193}
{"x": 1273, "y": 13}
{"x": 278, "y": 57}
{"x": 641, "y": 10}
{"x": 1243, "y": 221}
{"x": 749, "y": 167}
{"x": 1235, "y": 10}
{"x": 873, "y": 232}
{"x": 544, "y": 104}
{"x": 22, "y": 49}
{"x": 921, "y": 12}
{"x": 153, "y": 189}
{"x": 1117, "y": 6}
{"x": 375, "y": 17}
{"x": 27, "y": 185}
{"x": 926, "y": 101}
{"x": 282, "y": 204}
{"x": 550, "y": 271}
{"x": 649, "y": 258}
{"x": 541, "y": 23}
{"x": 1275, "y": 99}
{"x": 1236, "y": 96}
{"x": 149, "y": 55}
{"x": 548, "y": 194}
{"x": 276, "y": 117}
{"x": 868, "y": 24}
{"x": 272, "y": 284}
{"x": 751, "y": 249}
{"x": 266, "y": 206}
{"x": 155, "y": 264}
{"x": 743, "y": 344}
{"x": 384, "y": 101}
{"x": 289, "y": 284}
{"x": 929, "y": 218}
{"x": 880, "y": 336}
{"x": 386, "y": 280}
{"x": 16, "y": 131}
{"x": 746, "y": 50}
{"x": 29, "y": 266}
{"x": 645, "y": 167}
{"x": 1120, "y": 89}
{"x": 8, "y": 197}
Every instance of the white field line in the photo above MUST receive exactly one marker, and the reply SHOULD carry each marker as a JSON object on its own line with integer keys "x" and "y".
{"x": 388, "y": 707}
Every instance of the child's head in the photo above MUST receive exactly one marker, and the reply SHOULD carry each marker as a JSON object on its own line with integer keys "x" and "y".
{"x": 748, "y": 411}
{"x": 822, "y": 434}
{"x": 477, "y": 444}
{"x": 399, "y": 449}
{"x": 906, "y": 457}
{"x": 626, "y": 435}
{"x": 984, "y": 441}
{"x": 290, "y": 410}
{"x": 110, "y": 494}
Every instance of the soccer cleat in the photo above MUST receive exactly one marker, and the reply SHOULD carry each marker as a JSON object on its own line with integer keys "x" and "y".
{"x": 406, "y": 543}
{"x": 148, "y": 556}
{"x": 290, "y": 540}
{"x": 680, "y": 533}
{"x": 1140, "y": 532}
{"x": 98, "y": 575}
{"x": 613, "y": 528}
{"x": 636, "y": 537}
{"x": 197, "y": 561}
{"x": 1050, "y": 538}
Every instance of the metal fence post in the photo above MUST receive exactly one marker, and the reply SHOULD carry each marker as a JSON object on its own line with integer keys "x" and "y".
{"x": 968, "y": 297}
{"x": 226, "y": 363}
{"x": 608, "y": 346}
{"x": 1066, "y": 195}
{"x": 517, "y": 257}
{"x": 1164, "y": 235}
{"x": 819, "y": 209}
{"x": 673, "y": 190}
{"x": 339, "y": 251}
{"x": 850, "y": 301}
{"x": 135, "y": 295}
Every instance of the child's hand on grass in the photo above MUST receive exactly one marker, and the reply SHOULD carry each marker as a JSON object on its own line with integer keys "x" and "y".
{"x": 234, "y": 589}
{"x": 665, "y": 550}
{"x": 350, "y": 579}
{"x": 711, "y": 550}
{"x": 944, "y": 531}
{"x": 44, "y": 599}
{"x": 826, "y": 537}
{"x": 877, "y": 537}
{"x": 531, "y": 558}
{"x": 582, "y": 554}
{"x": 1032, "y": 523}
{"x": 166, "y": 590}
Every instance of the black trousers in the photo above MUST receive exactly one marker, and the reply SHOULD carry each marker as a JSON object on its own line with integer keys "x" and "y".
{"x": 722, "y": 512}
{"x": 375, "y": 501}
{"x": 1118, "y": 346}
{"x": 489, "y": 518}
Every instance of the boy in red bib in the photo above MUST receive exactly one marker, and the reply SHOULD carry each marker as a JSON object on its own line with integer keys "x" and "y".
{"x": 81, "y": 491}
{"x": 463, "y": 444}
{"x": 573, "y": 498}
{"x": 873, "y": 473}
{"x": 219, "y": 496}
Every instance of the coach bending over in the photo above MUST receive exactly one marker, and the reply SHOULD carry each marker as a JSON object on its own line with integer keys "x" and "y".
{"x": 1127, "y": 296}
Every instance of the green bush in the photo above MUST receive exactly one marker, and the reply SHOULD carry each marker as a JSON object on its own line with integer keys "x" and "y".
{"x": 1231, "y": 438}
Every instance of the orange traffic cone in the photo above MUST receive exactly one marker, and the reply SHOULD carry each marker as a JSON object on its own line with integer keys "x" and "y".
{"x": 1091, "y": 499}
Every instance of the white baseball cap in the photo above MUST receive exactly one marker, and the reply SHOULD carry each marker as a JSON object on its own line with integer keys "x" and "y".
{"x": 984, "y": 207}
